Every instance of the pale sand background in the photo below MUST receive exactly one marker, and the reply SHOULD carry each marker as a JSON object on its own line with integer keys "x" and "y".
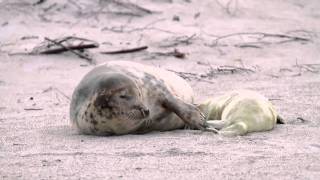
{"x": 41, "y": 144}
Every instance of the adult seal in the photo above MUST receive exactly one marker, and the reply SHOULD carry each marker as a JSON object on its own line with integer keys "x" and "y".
{"x": 122, "y": 97}
{"x": 240, "y": 112}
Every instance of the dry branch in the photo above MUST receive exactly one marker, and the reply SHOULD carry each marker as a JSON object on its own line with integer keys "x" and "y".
{"x": 71, "y": 50}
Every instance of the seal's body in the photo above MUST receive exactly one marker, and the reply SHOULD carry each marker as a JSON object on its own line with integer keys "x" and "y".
{"x": 239, "y": 113}
{"x": 122, "y": 97}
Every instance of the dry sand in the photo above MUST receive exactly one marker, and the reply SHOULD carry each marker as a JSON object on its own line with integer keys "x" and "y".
{"x": 40, "y": 144}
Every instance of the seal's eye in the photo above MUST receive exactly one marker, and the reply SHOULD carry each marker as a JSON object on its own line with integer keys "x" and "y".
{"x": 125, "y": 97}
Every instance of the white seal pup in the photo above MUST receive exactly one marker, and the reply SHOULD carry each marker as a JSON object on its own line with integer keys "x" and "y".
{"x": 240, "y": 112}
{"x": 122, "y": 97}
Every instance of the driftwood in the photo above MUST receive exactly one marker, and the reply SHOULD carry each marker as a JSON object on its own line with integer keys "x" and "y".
{"x": 60, "y": 47}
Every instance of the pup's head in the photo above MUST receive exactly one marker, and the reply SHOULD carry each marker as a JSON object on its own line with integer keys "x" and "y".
{"x": 120, "y": 100}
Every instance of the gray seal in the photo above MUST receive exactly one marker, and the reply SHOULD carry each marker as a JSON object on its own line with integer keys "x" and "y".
{"x": 122, "y": 97}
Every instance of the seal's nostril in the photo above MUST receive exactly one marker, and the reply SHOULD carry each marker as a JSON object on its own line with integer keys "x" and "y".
{"x": 146, "y": 112}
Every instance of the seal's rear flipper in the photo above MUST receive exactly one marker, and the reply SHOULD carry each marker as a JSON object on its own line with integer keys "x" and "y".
{"x": 280, "y": 120}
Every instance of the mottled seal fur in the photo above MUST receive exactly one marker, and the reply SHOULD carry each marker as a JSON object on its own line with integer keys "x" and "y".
{"x": 240, "y": 112}
{"x": 122, "y": 97}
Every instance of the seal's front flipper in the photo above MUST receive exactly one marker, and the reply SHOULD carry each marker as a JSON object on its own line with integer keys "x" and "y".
{"x": 190, "y": 114}
{"x": 211, "y": 129}
{"x": 236, "y": 129}
{"x": 217, "y": 124}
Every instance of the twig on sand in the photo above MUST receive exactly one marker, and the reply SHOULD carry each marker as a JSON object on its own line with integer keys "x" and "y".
{"x": 190, "y": 76}
{"x": 33, "y": 109}
{"x": 228, "y": 7}
{"x": 260, "y": 36}
{"x": 212, "y": 73}
{"x": 75, "y": 4}
{"x": 226, "y": 70}
{"x": 274, "y": 99}
{"x": 302, "y": 119}
{"x": 58, "y": 90}
{"x": 123, "y": 51}
{"x": 46, "y": 154}
{"x": 234, "y": 69}
{"x": 48, "y": 9}
{"x": 178, "y": 40}
{"x": 124, "y": 8}
{"x": 132, "y": 6}
{"x": 247, "y": 46}
{"x": 39, "y": 2}
{"x": 314, "y": 68}
{"x": 176, "y": 53}
{"x": 127, "y": 29}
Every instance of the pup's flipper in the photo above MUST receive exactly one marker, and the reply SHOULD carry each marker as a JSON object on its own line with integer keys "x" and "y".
{"x": 236, "y": 129}
{"x": 217, "y": 124}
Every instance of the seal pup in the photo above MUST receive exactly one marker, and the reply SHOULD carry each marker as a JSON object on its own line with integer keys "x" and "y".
{"x": 122, "y": 97}
{"x": 240, "y": 112}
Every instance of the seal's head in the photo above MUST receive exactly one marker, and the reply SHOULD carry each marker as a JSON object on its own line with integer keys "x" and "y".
{"x": 118, "y": 100}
